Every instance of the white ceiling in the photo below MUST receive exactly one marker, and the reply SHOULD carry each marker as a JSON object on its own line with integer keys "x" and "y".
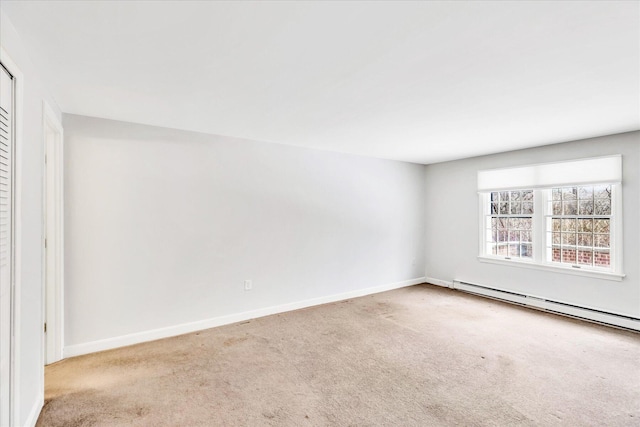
{"x": 421, "y": 82}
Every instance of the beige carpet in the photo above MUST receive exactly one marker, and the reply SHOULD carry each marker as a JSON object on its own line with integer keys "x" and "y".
{"x": 418, "y": 356}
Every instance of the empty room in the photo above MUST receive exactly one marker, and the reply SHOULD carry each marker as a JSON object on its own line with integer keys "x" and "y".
{"x": 319, "y": 213}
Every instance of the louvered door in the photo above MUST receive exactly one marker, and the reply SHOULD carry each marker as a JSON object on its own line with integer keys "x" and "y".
{"x": 6, "y": 245}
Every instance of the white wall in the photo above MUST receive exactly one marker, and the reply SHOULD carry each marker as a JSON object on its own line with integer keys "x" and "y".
{"x": 29, "y": 374}
{"x": 164, "y": 226}
{"x": 452, "y": 227}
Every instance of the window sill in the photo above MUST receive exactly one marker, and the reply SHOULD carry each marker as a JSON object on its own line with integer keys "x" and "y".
{"x": 557, "y": 269}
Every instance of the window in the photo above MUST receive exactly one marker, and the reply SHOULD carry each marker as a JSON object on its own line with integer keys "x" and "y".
{"x": 561, "y": 218}
{"x": 579, "y": 226}
{"x": 510, "y": 223}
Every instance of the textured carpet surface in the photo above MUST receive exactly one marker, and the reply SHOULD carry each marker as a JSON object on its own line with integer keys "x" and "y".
{"x": 417, "y": 356}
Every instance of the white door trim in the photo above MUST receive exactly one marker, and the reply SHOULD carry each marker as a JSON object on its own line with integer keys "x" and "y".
{"x": 53, "y": 234}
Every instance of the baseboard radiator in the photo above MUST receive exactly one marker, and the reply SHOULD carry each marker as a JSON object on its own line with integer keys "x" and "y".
{"x": 557, "y": 307}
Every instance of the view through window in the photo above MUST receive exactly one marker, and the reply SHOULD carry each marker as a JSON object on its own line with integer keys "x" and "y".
{"x": 580, "y": 226}
{"x": 511, "y": 222}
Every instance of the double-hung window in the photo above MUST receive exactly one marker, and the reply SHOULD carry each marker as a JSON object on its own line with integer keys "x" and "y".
{"x": 509, "y": 224}
{"x": 579, "y": 226}
{"x": 564, "y": 216}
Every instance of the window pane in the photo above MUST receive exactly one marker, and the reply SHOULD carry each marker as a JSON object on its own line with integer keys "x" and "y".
{"x": 525, "y": 236}
{"x": 568, "y": 224}
{"x": 569, "y": 256}
{"x": 569, "y": 193}
{"x": 585, "y": 239}
{"x": 527, "y": 195}
{"x": 602, "y": 191}
{"x": 585, "y": 207}
{"x": 515, "y": 196}
{"x": 602, "y": 207}
{"x": 601, "y": 225}
{"x": 516, "y": 208}
{"x": 585, "y": 257}
{"x": 601, "y": 240}
{"x": 585, "y": 225}
{"x": 556, "y": 224}
{"x": 494, "y": 197}
{"x": 504, "y": 196}
{"x": 526, "y": 223}
{"x": 585, "y": 192}
{"x": 557, "y": 208}
{"x": 556, "y": 238}
{"x": 526, "y": 250}
{"x": 504, "y": 208}
{"x": 569, "y": 208}
{"x": 569, "y": 239}
{"x": 556, "y": 194}
{"x": 514, "y": 250}
{"x": 527, "y": 208}
{"x": 494, "y": 208}
{"x": 601, "y": 258}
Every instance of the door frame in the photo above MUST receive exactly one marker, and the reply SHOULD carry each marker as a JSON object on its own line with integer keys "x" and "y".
{"x": 15, "y": 337}
{"x": 53, "y": 235}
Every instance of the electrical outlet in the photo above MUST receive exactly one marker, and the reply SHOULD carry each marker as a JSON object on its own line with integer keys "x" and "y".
{"x": 248, "y": 285}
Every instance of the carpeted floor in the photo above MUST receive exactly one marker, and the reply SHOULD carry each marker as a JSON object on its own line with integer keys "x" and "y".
{"x": 418, "y": 356}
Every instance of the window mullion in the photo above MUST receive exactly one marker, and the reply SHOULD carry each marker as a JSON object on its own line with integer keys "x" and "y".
{"x": 539, "y": 225}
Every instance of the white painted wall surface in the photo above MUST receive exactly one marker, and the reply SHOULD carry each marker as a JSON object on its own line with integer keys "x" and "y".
{"x": 163, "y": 226}
{"x": 29, "y": 323}
{"x": 452, "y": 227}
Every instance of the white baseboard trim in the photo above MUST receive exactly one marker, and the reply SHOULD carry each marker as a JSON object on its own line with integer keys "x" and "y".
{"x": 434, "y": 281}
{"x": 557, "y": 307}
{"x": 185, "y": 328}
{"x": 32, "y": 419}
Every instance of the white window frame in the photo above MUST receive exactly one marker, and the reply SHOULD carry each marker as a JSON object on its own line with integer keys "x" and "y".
{"x": 540, "y": 235}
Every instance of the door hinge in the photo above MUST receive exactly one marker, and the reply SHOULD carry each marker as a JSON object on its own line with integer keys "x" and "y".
{"x": 45, "y": 328}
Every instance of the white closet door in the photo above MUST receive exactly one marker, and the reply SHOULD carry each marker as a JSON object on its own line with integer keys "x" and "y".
{"x": 6, "y": 244}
